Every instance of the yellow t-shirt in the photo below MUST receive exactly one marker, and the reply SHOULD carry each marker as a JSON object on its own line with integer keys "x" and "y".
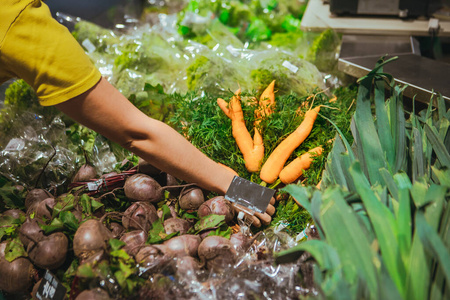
{"x": 39, "y": 50}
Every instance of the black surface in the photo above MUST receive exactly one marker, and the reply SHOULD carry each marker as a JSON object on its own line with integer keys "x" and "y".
{"x": 423, "y": 75}
{"x": 414, "y": 8}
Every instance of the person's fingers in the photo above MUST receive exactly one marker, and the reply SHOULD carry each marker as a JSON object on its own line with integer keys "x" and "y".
{"x": 272, "y": 201}
{"x": 270, "y": 210}
{"x": 265, "y": 218}
{"x": 256, "y": 222}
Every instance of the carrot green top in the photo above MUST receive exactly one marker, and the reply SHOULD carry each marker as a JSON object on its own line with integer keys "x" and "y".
{"x": 42, "y": 52}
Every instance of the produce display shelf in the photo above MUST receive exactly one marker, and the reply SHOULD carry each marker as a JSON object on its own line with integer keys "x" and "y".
{"x": 317, "y": 17}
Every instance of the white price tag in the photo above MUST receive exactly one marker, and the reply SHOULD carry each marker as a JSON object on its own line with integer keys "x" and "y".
{"x": 302, "y": 235}
{"x": 93, "y": 186}
{"x": 15, "y": 145}
{"x": 291, "y": 67}
{"x": 233, "y": 51}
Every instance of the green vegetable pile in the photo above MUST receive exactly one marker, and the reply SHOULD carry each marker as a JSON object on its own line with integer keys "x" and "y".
{"x": 382, "y": 214}
{"x": 198, "y": 48}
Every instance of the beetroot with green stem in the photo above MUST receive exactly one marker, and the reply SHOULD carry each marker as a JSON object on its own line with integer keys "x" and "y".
{"x": 173, "y": 212}
{"x": 141, "y": 187}
{"x": 191, "y": 198}
{"x": 85, "y": 173}
{"x": 183, "y": 245}
{"x": 49, "y": 252}
{"x": 217, "y": 253}
{"x": 134, "y": 240}
{"x": 217, "y": 206}
{"x": 139, "y": 215}
{"x": 34, "y": 196}
{"x": 176, "y": 225}
{"x": 30, "y": 231}
{"x": 91, "y": 236}
{"x": 16, "y": 276}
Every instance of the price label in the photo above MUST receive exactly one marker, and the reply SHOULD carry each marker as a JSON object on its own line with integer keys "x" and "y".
{"x": 94, "y": 186}
{"x": 291, "y": 67}
{"x": 88, "y": 45}
{"x": 50, "y": 288}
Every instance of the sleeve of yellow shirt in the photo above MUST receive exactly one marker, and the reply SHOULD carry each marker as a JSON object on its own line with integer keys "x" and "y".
{"x": 39, "y": 50}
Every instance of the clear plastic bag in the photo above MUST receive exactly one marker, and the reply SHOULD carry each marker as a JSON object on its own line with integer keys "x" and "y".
{"x": 253, "y": 276}
{"x": 37, "y": 153}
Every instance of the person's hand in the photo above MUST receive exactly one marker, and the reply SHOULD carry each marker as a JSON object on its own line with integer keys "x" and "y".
{"x": 259, "y": 218}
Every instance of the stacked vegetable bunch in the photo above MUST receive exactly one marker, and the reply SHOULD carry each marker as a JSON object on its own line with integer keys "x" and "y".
{"x": 253, "y": 150}
{"x": 383, "y": 211}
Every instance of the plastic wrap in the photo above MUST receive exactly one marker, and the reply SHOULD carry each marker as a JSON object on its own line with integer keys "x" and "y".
{"x": 37, "y": 153}
{"x": 215, "y": 61}
{"x": 253, "y": 276}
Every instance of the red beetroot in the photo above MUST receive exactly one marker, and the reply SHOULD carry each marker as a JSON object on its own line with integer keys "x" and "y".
{"x": 116, "y": 229}
{"x": 43, "y": 209}
{"x": 134, "y": 241}
{"x": 217, "y": 252}
{"x": 151, "y": 258}
{"x": 217, "y": 206}
{"x": 30, "y": 231}
{"x": 191, "y": 198}
{"x": 139, "y": 215}
{"x": 94, "y": 294}
{"x": 85, "y": 173}
{"x": 49, "y": 252}
{"x": 35, "y": 195}
{"x": 91, "y": 236}
{"x": 147, "y": 168}
{"x": 176, "y": 225}
{"x": 141, "y": 187}
{"x": 15, "y": 276}
{"x": 183, "y": 245}
{"x": 14, "y": 213}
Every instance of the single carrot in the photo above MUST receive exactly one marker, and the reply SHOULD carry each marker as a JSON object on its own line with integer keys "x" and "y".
{"x": 267, "y": 100}
{"x": 295, "y": 169}
{"x": 224, "y": 106}
{"x": 275, "y": 163}
{"x": 251, "y": 149}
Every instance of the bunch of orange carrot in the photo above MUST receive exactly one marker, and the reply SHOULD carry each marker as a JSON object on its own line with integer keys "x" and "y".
{"x": 252, "y": 149}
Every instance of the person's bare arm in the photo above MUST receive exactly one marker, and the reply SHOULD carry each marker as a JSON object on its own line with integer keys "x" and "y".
{"x": 105, "y": 110}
